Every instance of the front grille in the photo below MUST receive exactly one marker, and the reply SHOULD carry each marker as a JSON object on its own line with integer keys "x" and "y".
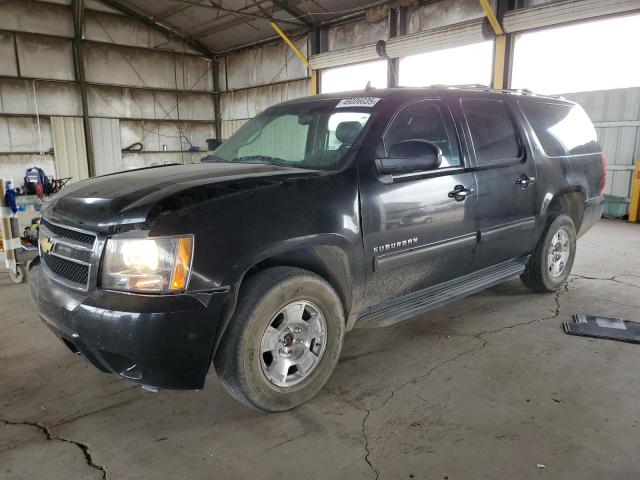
{"x": 70, "y": 271}
{"x": 59, "y": 231}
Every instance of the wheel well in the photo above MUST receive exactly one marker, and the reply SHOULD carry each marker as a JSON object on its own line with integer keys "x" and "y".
{"x": 328, "y": 262}
{"x": 570, "y": 203}
{"x": 321, "y": 261}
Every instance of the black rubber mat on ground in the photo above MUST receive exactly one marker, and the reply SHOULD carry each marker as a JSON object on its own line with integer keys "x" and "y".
{"x": 603, "y": 327}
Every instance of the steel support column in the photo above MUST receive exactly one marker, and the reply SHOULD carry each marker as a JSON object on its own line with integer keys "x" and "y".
{"x": 215, "y": 66}
{"x": 317, "y": 46}
{"x": 502, "y": 52}
{"x": 397, "y": 28}
{"x": 499, "y": 62}
{"x": 78, "y": 34}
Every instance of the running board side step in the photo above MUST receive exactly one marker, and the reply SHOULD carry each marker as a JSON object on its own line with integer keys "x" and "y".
{"x": 431, "y": 298}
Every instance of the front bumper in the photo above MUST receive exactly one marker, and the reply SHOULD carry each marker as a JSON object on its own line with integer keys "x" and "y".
{"x": 161, "y": 341}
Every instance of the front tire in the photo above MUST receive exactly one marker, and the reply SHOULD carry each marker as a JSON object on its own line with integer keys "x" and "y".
{"x": 551, "y": 261}
{"x": 284, "y": 340}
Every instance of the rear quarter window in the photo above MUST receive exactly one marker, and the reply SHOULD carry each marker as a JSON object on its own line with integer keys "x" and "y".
{"x": 562, "y": 130}
{"x": 493, "y": 132}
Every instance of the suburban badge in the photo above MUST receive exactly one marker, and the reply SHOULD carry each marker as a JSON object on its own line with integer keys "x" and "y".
{"x": 392, "y": 246}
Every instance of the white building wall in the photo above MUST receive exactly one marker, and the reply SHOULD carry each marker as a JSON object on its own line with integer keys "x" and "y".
{"x": 616, "y": 116}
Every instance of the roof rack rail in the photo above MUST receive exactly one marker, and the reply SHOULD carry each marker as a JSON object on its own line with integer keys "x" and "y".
{"x": 485, "y": 88}
{"x": 480, "y": 86}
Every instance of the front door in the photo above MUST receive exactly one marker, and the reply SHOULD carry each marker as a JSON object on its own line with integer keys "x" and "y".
{"x": 506, "y": 176}
{"x": 419, "y": 230}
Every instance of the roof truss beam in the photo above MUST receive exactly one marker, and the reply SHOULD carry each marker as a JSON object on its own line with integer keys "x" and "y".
{"x": 219, "y": 7}
{"x": 294, "y": 12}
{"x": 169, "y": 30}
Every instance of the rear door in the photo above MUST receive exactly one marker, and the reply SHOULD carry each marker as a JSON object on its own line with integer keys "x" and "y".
{"x": 506, "y": 175}
{"x": 416, "y": 232}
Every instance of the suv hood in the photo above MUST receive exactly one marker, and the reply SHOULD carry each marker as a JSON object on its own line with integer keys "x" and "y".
{"x": 129, "y": 199}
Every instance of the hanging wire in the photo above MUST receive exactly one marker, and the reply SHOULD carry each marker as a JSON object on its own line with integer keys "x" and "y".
{"x": 35, "y": 99}
{"x": 167, "y": 113}
{"x": 328, "y": 12}
{"x": 135, "y": 70}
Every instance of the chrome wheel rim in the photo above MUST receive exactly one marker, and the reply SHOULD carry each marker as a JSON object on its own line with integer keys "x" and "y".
{"x": 558, "y": 254}
{"x": 293, "y": 344}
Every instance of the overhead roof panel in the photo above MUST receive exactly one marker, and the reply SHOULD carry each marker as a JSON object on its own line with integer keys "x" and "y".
{"x": 238, "y": 35}
{"x": 153, "y": 7}
{"x": 221, "y": 25}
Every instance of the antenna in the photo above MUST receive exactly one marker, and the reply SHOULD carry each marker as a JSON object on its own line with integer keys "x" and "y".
{"x": 368, "y": 86}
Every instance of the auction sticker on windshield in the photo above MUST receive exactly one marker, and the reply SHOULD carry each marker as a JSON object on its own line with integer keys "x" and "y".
{"x": 357, "y": 102}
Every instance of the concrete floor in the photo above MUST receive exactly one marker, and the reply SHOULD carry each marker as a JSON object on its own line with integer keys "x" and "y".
{"x": 486, "y": 388}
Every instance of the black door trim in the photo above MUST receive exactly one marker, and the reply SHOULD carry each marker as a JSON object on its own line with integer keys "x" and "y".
{"x": 523, "y": 225}
{"x": 404, "y": 257}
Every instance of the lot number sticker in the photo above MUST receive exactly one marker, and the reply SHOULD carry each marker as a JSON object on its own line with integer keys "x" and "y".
{"x": 358, "y": 102}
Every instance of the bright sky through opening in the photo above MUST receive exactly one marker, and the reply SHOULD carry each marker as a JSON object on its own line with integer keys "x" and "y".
{"x": 354, "y": 77}
{"x": 599, "y": 55}
{"x": 587, "y": 56}
{"x": 452, "y": 66}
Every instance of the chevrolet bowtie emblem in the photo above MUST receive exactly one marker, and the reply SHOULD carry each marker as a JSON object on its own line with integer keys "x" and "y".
{"x": 46, "y": 245}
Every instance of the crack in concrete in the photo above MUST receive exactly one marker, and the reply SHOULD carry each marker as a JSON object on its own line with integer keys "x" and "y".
{"x": 50, "y": 436}
{"x": 606, "y": 300}
{"x": 414, "y": 380}
{"x": 614, "y": 278}
{"x": 366, "y": 444}
{"x": 555, "y": 314}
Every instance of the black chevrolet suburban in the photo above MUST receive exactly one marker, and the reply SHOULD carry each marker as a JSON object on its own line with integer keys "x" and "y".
{"x": 321, "y": 214}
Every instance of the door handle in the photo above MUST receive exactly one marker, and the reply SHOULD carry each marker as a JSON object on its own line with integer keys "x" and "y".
{"x": 460, "y": 192}
{"x": 524, "y": 181}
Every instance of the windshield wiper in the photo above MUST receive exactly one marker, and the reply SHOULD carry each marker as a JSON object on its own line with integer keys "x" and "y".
{"x": 255, "y": 159}
{"x": 213, "y": 158}
{"x": 264, "y": 159}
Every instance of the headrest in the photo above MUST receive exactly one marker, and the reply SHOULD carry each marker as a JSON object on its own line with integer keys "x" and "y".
{"x": 347, "y": 132}
{"x": 419, "y": 124}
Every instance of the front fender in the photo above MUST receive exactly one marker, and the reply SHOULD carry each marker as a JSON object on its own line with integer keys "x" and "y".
{"x": 329, "y": 255}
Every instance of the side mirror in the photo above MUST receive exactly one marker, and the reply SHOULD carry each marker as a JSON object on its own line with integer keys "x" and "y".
{"x": 410, "y": 156}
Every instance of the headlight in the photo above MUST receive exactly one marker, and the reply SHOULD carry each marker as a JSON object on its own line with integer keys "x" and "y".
{"x": 148, "y": 265}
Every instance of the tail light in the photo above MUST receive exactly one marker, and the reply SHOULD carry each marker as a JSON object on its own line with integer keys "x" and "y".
{"x": 603, "y": 182}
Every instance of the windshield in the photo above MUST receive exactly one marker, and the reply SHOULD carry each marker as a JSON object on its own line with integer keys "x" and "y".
{"x": 313, "y": 135}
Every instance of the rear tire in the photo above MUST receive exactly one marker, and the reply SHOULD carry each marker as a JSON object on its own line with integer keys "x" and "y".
{"x": 551, "y": 261}
{"x": 284, "y": 340}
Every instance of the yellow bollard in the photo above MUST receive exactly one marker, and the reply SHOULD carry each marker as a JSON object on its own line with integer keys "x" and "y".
{"x": 634, "y": 208}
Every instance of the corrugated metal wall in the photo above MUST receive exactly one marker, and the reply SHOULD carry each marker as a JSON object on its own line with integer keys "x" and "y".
{"x": 245, "y": 77}
{"x": 69, "y": 148}
{"x": 616, "y": 115}
{"x": 237, "y": 107}
{"x": 105, "y": 135}
{"x": 256, "y": 79}
{"x": 160, "y": 89}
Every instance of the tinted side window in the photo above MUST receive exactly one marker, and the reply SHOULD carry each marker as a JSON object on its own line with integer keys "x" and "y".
{"x": 493, "y": 132}
{"x": 561, "y": 129}
{"x": 425, "y": 120}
